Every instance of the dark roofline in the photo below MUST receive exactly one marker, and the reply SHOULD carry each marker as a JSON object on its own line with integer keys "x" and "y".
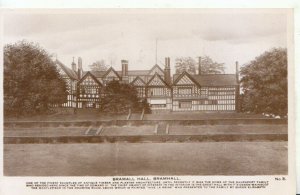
{"x": 188, "y": 75}
{"x": 156, "y": 65}
{"x": 203, "y": 74}
{"x": 166, "y": 84}
{"x": 111, "y": 68}
{"x": 86, "y": 74}
{"x": 233, "y": 83}
{"x": 67, "y": 70}
{"x": 209, "y": 74}
{"x": 137, "y": 70}
{"x": 138, "y": 77}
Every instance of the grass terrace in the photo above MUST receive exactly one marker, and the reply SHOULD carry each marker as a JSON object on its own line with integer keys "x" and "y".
{"x": 93, "y": 116}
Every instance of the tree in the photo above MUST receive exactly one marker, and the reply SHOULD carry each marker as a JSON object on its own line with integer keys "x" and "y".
{"x": 186, "y": 64}
{"x": 145, "y": 106}
{"x": 98, "y": 66}
{"x": 208, "y": 66}
{"x": 264, "y": 83}
{"x": 31, "y": 81}
{"x": 119, "y": 98}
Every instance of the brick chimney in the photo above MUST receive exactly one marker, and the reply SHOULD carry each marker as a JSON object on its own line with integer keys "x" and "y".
{"x": 199, "y": 66}
{"x": 124, "y": 67}
{"x": 167, "y": 71}
{"x": 125, "y": 78}
{"x": 80, "y": 70}
{"x": 73, "y": 66}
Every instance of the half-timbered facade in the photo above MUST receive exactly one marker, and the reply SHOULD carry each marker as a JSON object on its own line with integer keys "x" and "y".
{"x": 159, "y": 93}
{"x": 210, "y": 92}
{"x": 127, "y": 76}
{"x": 145, "y": 75}
{"x": 71, "y": 79}
{"x": 110, "y": 75}
{"x": 185, "y": 92}
{"x": 140, "y": 86}
{"x": 88, "y": 92}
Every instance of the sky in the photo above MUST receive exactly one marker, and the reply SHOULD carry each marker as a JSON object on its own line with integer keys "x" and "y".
{"x": 226, "y": 35}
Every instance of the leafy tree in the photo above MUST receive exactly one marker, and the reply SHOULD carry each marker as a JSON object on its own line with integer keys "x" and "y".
{"x": 186, "y": 64}
{"x": 208, "y": 66}
{"x": 31, "y": 80}
{"x": 99, "y": 66}
{"x": 264, "y": 83}
{"x": 119, "y": 98}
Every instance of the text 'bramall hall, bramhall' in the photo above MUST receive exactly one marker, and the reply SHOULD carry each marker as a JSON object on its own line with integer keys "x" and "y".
{"x": 182, "y": 92}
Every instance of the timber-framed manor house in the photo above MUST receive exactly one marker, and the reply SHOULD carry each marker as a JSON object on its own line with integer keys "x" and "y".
{"x": 180, "y": 92}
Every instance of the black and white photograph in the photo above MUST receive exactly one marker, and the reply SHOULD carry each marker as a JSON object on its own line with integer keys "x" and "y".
{"x": 145, "y": 92}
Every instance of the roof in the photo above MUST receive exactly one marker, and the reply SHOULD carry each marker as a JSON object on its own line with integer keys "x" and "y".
{"x": 175, "y": 76}
{"x": 72, "y": 74}
{"x": 209, "y": 79}
{"x": 215, "y": 79}
{"x": 157, "y": 75}
{"x": 155, "y": 66}
{"x": 87, "y": 74}
{"x": 138, "y": 72}
{"x": 130, "y": 73}
{"x": 138, "y": 78}
{"x": 143, "y": 72}
{"x": 113, "y": 70}
{"x": 101, "y": 74}
{"x": 179, "y": 76}
{"x": 97, "y": 73}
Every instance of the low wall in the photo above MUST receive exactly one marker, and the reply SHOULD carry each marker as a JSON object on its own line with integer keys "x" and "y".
{"x": 59, "y": 110}
{"x": 29, "y": 124}
{"x": 147, "y": 138}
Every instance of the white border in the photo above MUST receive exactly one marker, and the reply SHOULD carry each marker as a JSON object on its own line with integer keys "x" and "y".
{"x": 13, "y": 183}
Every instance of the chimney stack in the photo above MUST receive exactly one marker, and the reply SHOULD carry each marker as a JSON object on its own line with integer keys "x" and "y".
{"x": 167, "y": 72}
{"x": 199, "y": 66}
{"x": 79, "y": 68}
{"x": 73, "y": 65}
{"x": 124, "y": 67}
{"x": 166, "y": 62}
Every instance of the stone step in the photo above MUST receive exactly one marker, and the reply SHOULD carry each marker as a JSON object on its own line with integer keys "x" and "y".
{"x": 92, "y": 132}
{"x": 135, "y": 117}
{"x": 161, "y": 130}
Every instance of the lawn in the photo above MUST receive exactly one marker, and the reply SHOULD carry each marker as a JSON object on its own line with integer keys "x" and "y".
{"x": 147, "y": 130}
{"x": 200, "y": 116}
{"x": 128, "y": 130}
{"x": 68, "y": 117}
{"x": 228, "y": 129}
{"x": 93, "y": 116}
{"x": 109, "y": 159}
{"x": 44, "y": 132}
